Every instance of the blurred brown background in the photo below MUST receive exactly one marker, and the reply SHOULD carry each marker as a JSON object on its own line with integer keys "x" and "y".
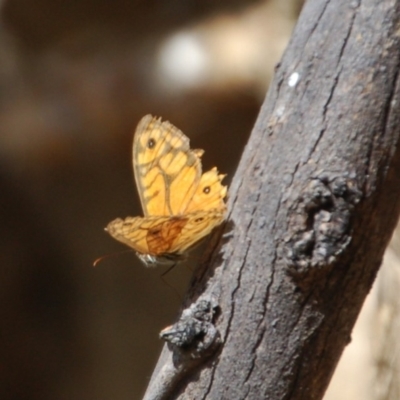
{"x": 75, "y": 78}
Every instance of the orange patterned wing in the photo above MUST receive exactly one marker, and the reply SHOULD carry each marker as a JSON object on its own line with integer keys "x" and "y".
{"x": 160, "y": 236}
{"x": 148, "y": 235}
{"x": 167, "y": 171}
{"x": 199, "y": 224}
{"x": 210, "y": 193}
{"x": 181, "y": 205}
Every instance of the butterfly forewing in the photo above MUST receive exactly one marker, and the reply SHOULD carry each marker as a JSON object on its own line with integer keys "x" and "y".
{"x": 131, "y": 231}
{"x": 199, "y": 224}
{"x": 163, "y": 235}
{"x": 167, "y": 172}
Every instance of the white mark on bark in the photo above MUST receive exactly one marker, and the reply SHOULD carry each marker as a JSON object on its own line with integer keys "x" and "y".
{"x": 279, "y": 112}
{"x": 293, "y": 79}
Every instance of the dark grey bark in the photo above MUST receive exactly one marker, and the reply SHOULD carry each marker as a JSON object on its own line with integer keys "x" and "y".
{"x": 312, "y": 207}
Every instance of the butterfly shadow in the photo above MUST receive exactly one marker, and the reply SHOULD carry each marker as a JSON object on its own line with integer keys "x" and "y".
{"x": 211, "y": 259}
{"x": 202, "y": 256}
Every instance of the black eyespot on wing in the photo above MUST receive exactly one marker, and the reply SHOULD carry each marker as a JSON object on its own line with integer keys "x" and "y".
{"x": 206, "y": 189}
{"x": 151, "y": 143}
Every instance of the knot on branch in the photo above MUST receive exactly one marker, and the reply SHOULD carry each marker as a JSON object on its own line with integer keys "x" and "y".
{"x": 320, "y": 224}
{"x": 194, "y": 335}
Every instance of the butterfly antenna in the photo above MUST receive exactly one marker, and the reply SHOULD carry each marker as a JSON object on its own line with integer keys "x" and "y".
{"x": 98, "y": 260}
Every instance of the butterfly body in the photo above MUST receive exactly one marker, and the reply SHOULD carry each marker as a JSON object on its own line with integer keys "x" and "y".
{"x": 181, "y": 205}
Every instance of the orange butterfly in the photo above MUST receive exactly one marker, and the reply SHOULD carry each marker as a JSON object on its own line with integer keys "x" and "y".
{"x": 180, "y": 204}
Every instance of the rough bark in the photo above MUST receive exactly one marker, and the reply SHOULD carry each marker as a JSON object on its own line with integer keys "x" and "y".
{"x": 312, "y": 207}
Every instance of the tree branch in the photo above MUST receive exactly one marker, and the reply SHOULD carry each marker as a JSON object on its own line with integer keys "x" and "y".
{"x": 313, "y": 204}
